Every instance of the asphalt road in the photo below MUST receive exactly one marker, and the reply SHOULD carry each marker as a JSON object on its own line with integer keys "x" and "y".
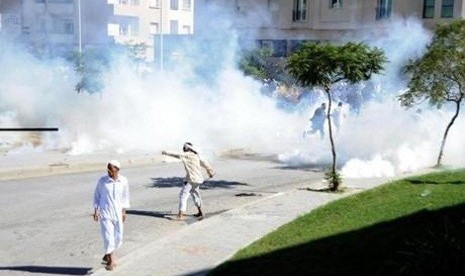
{"x": 46, "y": 226}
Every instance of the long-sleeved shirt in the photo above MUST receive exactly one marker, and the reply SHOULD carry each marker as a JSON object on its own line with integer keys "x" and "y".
{"x": 111, "y": 197}
{"x": 193, "y": 164}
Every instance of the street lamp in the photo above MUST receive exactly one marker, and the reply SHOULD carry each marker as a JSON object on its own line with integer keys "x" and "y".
{"x": 80, "y": 24}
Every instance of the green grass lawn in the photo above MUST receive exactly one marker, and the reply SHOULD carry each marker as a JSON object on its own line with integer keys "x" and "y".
{"x": 415, "y": 226}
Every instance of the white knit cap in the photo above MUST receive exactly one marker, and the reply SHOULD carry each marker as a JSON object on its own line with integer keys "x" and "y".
{"x": 115, "y": 163}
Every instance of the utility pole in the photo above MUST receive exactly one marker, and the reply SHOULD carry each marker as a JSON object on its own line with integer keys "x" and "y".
{"x": 161, "y": 35}
{"x": 80, "y": 26}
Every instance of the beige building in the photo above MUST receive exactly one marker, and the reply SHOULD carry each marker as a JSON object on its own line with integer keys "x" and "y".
{"x": 64, "y": 25}
{"x": 283, "y": 24}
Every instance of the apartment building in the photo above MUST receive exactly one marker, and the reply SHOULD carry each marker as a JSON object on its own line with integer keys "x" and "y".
{"x": 284, "y": 24}
{"x": 143, "y": 21}
{"x": 59, "y": 26}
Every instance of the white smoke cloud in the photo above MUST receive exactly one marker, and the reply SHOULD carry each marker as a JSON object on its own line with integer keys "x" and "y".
{"x": 221, "y": 110}
{"x": 386, "y": 139}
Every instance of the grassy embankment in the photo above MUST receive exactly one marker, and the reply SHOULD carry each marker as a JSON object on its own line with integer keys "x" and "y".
{"x": 414, "y": 226}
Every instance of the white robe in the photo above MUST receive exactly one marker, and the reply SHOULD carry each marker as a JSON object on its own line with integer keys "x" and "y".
{"x": 110, "y": 198}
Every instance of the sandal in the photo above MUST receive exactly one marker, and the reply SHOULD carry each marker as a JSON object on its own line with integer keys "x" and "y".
{"x": 105, "y": 259}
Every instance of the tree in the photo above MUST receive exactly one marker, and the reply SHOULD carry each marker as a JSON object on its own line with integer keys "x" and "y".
{"x": 323, "y": 65}
{"x": 253, "y": 63}
{"x": 439, "y": 75}
{"x": 89, "y": 66}
{"x": 263, "y": 66}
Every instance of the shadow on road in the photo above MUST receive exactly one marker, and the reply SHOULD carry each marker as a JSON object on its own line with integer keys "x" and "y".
{"x": 169, "y": 182}
{"x": 307, "y": 168}
{"x": 50, "y": 269}
{"x": 154, "y": 214}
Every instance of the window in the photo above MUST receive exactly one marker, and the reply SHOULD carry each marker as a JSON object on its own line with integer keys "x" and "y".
{"x": 174, "y": 5}
{"x": 128, "y": 30}
{"x": 428, "y": 9}
{"x": 129, "y": 2}
{"x": 62, "y": 26}
{"x": 41, "y": 25}
{"x": 173, "y": 26}
{"x": 11, "y": 19}
{"x": 154, "y": 4}
{"x": 123, "y": 30}
{"x": 69, "y": 27}
{"x": 334, "y": 4}
{"x": 273, "y": 5}
{"x": 447, "y": 9}
{"x": 129, "y": 26}
{"x": 273, "y": 8}
{"x": 186, "y": 29}
{"x": 267, "y": 44}
{"x": 384, "y": 9}
{"x": 154, "y": 28}
{"x": 299, "y": 12}
{"x": 186, "y": 5}
{"x": 59, "y": 1}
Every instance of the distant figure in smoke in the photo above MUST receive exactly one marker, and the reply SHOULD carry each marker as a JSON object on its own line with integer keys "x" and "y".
{"x": 355, "y": 99}
{"x": 318, "y": 121}
{"x": 194, "y": 178}
{"x": 339, "y": 115}
{"x": 111, "y": 199}
{"x": 418, "y": 114}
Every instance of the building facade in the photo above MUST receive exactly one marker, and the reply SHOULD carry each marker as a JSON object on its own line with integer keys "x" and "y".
{"x": 74, "y": 25}
{"x": 61, "y": 25}
{"x": 283, "y": 24}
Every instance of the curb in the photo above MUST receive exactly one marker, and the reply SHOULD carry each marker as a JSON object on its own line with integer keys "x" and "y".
{"x": 69, "y": 167}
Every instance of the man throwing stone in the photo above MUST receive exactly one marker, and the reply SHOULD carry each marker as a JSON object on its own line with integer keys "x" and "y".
{"x": 194, "y": 178}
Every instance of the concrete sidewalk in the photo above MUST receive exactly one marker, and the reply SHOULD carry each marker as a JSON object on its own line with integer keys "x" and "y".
{"x": 199, "y": 247}
{"x": 35, "y": 164}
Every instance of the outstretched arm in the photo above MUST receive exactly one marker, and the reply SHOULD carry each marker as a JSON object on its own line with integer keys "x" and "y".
{"x": 171, "y": 154}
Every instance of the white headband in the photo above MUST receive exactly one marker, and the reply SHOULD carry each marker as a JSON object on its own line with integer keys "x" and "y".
{"x": 191, "y": 147}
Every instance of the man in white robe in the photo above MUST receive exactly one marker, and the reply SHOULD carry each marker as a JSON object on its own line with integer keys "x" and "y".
{"x": 111, "y": 199}
{"x": 339, "y": 115}
{"x": 194, "y": 178}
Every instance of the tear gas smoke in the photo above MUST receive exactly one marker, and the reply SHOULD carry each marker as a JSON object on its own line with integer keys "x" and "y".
{"x": 223, "y": 111}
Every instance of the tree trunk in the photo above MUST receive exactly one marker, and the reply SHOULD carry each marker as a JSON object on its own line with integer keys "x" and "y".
{"x": 335, "y": 184}
{"x": 444, "y": 137}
